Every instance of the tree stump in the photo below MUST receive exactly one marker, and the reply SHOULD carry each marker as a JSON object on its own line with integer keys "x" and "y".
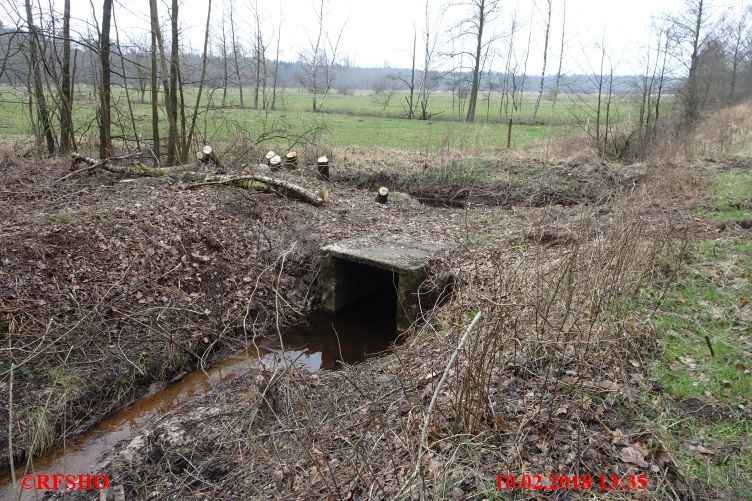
{"x": 322, "y": 166}
{"x": 291, "y": 160}
{"x": 275, "y": 162}
{"x": 382, "y": 195}
{"x": 207, "y": 156}
{"x": 269, "y": 156}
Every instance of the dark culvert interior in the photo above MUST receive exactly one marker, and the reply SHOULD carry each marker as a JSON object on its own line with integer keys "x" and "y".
{"x": 365, "y": 327}
{"x": 364, "y": 322}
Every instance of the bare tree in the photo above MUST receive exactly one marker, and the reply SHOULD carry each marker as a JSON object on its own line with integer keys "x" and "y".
{"x": 276, "y": 63}
{"x": 545, "y": 59}
{"x": 66, "y": 94}
{"x": 236, "y": 53}
{"x": 187, "y": 144}
{"x": 105, "y": 137}
{"x": 482, "y": 14}
{"x": 557, "y": 85}
{"x": 737, "y": 34}
{"x": 508, "y": 68}
{"x": 154, "y": 81}
{"x": 409, "y": 81}
{"x": 691, "y": 27}
{"x": 318, "y": 62}
{"x": 430, "y": 41}
{"x": 172, "y": 110}
{"x": 124, "y": 76}
{"x": 39, "y": 95}
{"x": 223, "y": 56}
{"x": 519, "y": 80}
{"x": 259, "y": 49}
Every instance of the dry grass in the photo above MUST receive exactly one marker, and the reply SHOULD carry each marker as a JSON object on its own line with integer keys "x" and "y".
{"x": 548, "y": 382}
{"x": 721, "y": 133}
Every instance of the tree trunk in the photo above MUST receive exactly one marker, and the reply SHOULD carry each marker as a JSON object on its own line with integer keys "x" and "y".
{"x": 154, "y": 86}
{"x": 235, "y": 55}
{"x": 476, "y": 68}
{"x": 692, "y": 110}
{"x": 291, "y": 160}
{"x": 171, "y": 118}
{"x": 125, "y": 84}
{"x": 545, "y": 59}
{"x": 255, "y": 181}
{"x": 204, "y": 60}
{"x": 66, "y": 94}
{"x": 105, "y": 138}
{"x": 276, "y": 64}
{"x": 224, "y": 64}
{"x": 42, "y": 112}
{"x": 411, "y": 106}
{"x": 561, "y": 60}
{"x": 172, "y": 138}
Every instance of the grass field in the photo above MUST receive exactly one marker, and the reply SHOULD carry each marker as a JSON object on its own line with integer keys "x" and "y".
{"x": 360, "y": 119}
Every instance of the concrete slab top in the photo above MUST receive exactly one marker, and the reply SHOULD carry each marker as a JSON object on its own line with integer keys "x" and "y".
{"x": 396, "y": 253}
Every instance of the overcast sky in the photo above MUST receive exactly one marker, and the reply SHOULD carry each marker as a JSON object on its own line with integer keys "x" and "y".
{"x": 380, "y": 32}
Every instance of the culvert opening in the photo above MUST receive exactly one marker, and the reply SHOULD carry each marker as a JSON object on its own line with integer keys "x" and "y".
{"x": 365, "y": 327}
{"x": 373, "y": 288}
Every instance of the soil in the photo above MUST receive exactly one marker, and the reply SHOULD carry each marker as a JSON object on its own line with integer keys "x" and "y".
{"x": 109, "y": 284}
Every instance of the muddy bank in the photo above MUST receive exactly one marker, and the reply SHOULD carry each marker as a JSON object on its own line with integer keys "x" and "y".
{"x": 108, "y": 284}
{"x": 518, "y": 398}
{"x": 460, "y": 182}
{"x": 124, "y": 282}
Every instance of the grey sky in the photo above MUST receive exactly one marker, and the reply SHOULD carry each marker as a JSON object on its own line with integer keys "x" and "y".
{"x": 379, "y": 32}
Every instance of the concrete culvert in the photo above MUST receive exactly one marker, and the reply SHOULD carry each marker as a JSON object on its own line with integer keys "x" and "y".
{"x": 354, "y": 268}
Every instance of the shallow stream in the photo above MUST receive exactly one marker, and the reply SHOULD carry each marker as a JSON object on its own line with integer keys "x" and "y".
{"x": 322, "y": 342}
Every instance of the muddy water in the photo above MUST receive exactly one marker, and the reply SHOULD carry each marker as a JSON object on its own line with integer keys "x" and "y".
{"x": 323, "y": 342}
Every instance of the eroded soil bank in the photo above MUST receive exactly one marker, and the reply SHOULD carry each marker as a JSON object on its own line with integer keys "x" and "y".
{"x": 110, "y": 284}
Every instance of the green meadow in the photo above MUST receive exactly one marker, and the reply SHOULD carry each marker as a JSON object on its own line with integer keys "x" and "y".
{"x": 363, "y": 119}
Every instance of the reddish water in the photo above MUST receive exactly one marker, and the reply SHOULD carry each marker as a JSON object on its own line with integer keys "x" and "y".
{"x": 363, "y": 329}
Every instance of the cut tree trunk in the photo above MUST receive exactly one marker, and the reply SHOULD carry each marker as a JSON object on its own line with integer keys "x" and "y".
{"x": 291, "y": 160}
{"x": 269, "y": 155}
{"x": 322, "y": 166}
{"x": 275, "y": 162}
{"x": 208, "y": 156}
{"x": 382, "y": 195}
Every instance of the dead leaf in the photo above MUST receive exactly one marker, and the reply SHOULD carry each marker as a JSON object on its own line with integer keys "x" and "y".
{"x": 634, "y": 454}
{"x": 503, "y": 425}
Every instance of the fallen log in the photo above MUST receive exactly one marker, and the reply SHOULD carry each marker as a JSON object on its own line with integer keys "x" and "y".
{"x": 256, "y": 181}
